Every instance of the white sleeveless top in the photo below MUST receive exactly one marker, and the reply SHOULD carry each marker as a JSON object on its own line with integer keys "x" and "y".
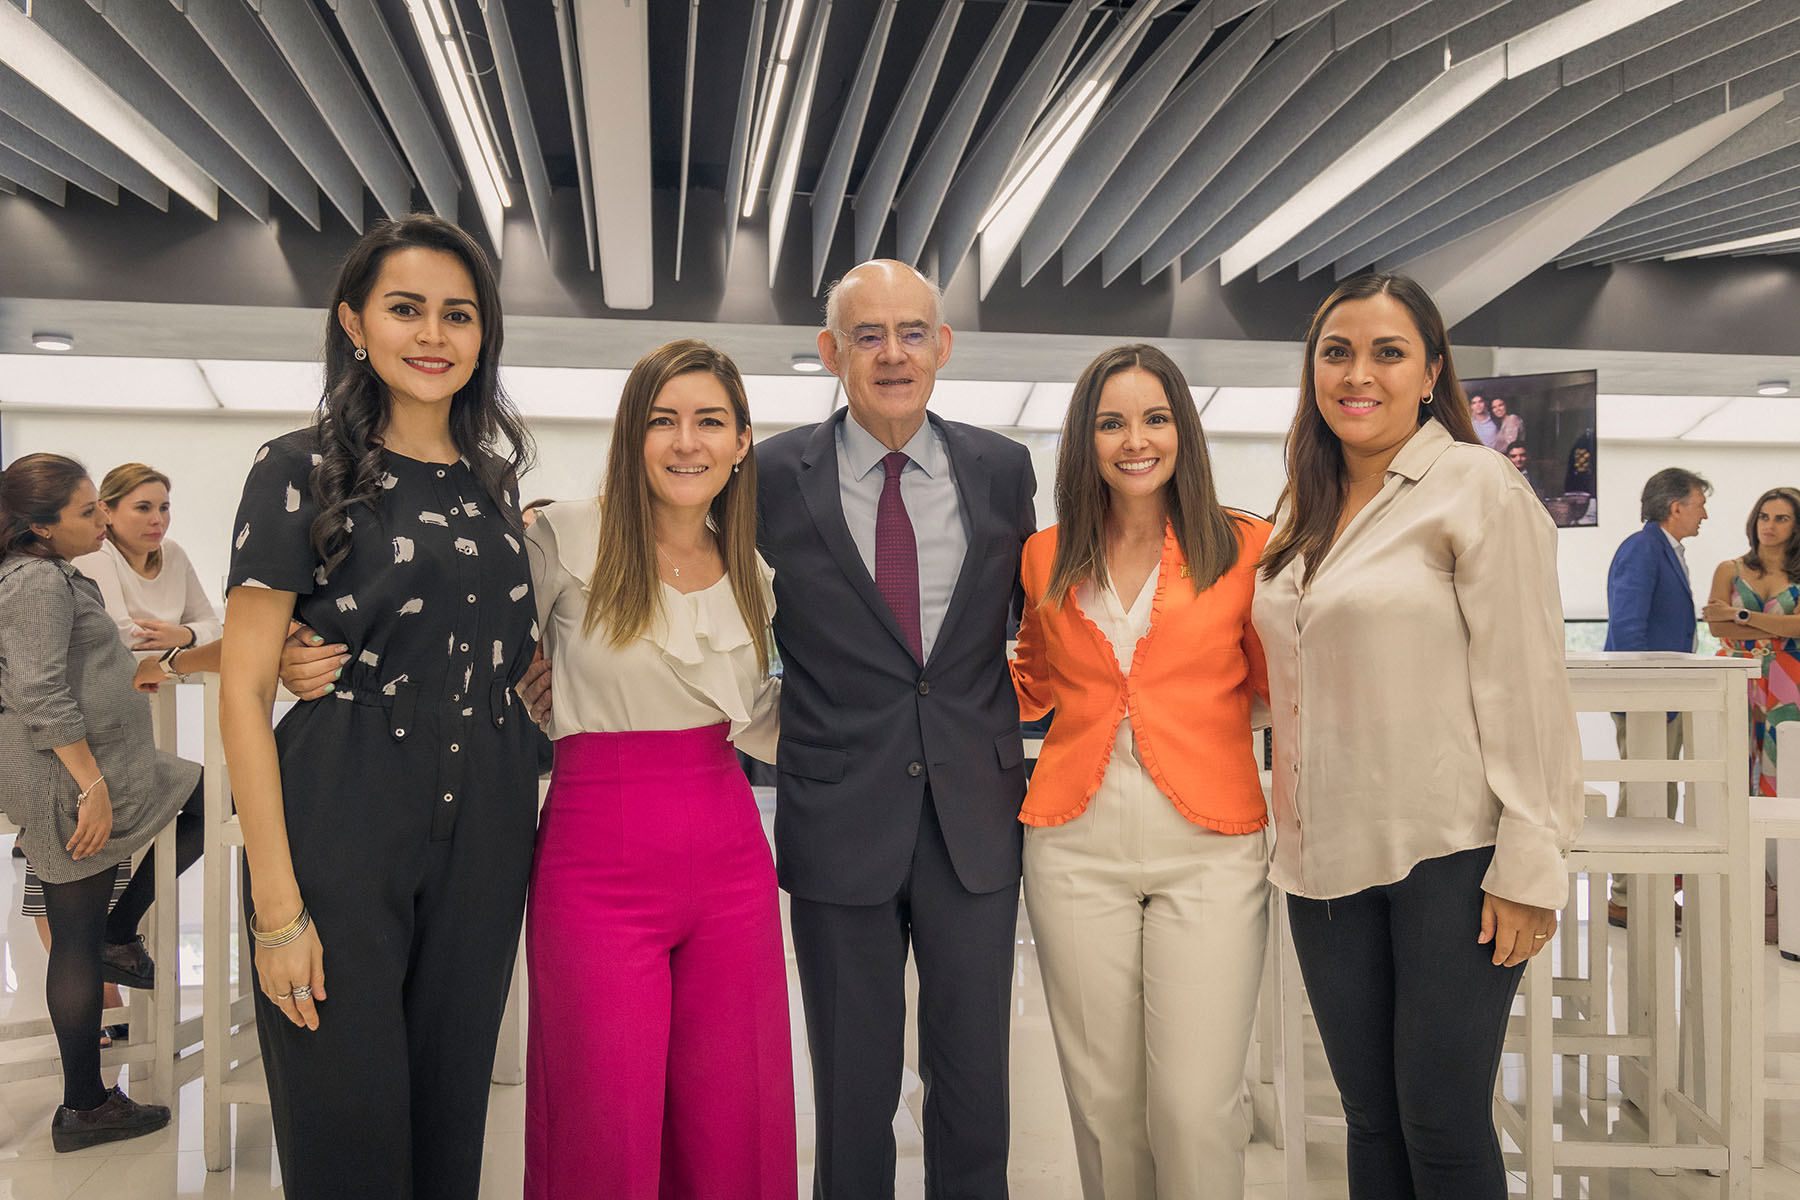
{"x": 695, "y": 665}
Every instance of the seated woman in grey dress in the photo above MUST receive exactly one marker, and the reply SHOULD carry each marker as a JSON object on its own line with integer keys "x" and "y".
{"x": 80, "y": 775}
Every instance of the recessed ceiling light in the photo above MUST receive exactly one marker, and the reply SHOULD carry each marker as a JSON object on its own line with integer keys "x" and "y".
{"x": 808, "y": 363}
{"x": 1772, "y": 387}
{"x": 56, "y": 342}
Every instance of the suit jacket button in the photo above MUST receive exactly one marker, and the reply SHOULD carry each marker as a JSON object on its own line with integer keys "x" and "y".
{"x": 915, "y": 769}
{"x": 924, "y": 687}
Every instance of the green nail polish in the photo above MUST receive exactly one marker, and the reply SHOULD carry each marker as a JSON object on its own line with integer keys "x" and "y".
{"x": 316, "y": 640}
{"x": 335, "y": 674}
{"x": 331, "y": 687}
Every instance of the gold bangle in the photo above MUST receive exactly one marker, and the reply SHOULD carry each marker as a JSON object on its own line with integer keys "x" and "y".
{"x": 276, "y": 937}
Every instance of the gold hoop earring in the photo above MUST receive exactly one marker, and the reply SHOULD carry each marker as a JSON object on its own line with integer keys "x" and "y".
{"x": 1424, "y": 399}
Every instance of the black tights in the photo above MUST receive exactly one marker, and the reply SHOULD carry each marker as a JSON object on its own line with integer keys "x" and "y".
{"x": 1412, "y": 1012}
{"x": 78, "y": 924}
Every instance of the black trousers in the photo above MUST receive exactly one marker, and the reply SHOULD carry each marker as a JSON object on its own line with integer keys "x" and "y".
{"x": 1412, "y": 1012}
{"x": 419, "y": 919}
{"x": 851, "y": 961}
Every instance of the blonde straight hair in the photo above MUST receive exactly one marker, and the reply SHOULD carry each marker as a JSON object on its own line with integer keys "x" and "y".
{"x": 119, "y": 483}
{"x": 623, "y": 592}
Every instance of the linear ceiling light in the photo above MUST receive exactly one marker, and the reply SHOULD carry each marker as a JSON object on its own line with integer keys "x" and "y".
{"x": 1459, "y": 86}
{"x": 451, "y": 76}
{"x": 34, "y": 54}
{"x": 765, "y": 133}
{"x": 1748, "y": 243}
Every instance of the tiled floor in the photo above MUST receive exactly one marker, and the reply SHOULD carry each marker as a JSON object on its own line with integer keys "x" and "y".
{"x": 170, "y": 1163}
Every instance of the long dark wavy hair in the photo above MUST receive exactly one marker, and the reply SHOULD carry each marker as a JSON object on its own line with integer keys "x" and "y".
{"x": 34, "y": 491}
{"x": 1314, "y": 493}
{"x": 1790, "y": 564}
{"x": 625, "y": 592}
{"x": 484, "y": 424}
{"x": 1204, "y": 529}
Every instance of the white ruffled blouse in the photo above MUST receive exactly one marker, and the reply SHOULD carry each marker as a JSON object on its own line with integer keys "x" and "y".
{"x": 695, "y": 666}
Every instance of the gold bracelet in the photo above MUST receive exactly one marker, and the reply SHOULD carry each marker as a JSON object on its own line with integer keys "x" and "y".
{"x": 284, "y": 935}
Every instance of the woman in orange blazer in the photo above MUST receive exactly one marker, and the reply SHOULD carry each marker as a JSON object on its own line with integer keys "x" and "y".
{"x": 1145, "y": 862}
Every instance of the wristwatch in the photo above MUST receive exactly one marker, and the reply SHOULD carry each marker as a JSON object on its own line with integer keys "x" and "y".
{"x": 167, "y": 663}
{"x": 1743, "y": 616}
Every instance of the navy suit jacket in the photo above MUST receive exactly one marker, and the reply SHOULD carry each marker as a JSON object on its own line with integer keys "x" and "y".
{"x": 1649, "y": 600}
{"x": 865, "y": 728}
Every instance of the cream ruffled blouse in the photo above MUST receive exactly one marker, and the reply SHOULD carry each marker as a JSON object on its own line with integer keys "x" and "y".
{"x": 695, "y": 666}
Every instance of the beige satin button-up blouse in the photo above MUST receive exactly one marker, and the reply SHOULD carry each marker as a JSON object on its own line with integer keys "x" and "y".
{"x": 1421, "y": 705}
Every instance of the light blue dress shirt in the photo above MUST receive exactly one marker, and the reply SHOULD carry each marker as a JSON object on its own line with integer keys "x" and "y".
{"x": 940, "y": 527}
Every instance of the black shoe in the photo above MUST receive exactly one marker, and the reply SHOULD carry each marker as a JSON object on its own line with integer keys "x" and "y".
{"x": 127, "y": 964}
{"x": 120, "y": 1117}
{"x": 118, "y": 1033}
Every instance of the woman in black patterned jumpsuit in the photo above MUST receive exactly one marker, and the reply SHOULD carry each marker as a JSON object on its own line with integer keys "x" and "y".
{"x": 389, "y": 822}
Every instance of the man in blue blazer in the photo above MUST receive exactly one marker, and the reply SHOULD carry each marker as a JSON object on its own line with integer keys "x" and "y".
{"x": 1650, "y": 599}
{"x": 895, "y": 537}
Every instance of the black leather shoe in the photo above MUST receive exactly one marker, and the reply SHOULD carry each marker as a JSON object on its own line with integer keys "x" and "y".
{"x": 120, "y": 1117}
{"x": 127, "y": 964}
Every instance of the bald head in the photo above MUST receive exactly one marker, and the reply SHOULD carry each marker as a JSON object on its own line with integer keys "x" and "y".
{"x": 881, "y": 273}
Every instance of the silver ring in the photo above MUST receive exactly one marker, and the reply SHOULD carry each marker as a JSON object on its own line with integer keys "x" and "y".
{"x": 302, "y": 992}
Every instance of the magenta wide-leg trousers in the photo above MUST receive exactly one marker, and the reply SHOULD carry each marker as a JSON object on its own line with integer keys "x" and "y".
{"x": 659, "y": 1062}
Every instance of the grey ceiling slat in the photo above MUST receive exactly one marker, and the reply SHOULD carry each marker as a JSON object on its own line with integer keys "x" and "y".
{"x": 1470, "y": 127}
{"x": 1620, "y": 231}
{"x": 90, "y": 38}
{"x": 22, "y": 139}
{"x": 1775, "y": 131}
{"x": 1648, "y": 34}
{"x": 1111, "y": 137}
{"x": 1548, "y": 118}
{"x": 584, "y": 168}
{"x": 1280, "y": 74}
{"x": 614, "y": 43}
{"x": 227, "y": 27}
{"x": 989, "y": 163}
{"x": 518, "y": 115}
{"x": 300, "y": 34}
{"x": 1688, "y": 58}
{"x": 924, "y": 190}
{"x": 834, "y": 176}
{"x": 1391, "y": 88}
{"x": 1505, "y": 23}
{"x": 372, "y": 42}
{"x": 1350, "y": 23}
{"x": 1707, "y": 231}
{"x": 1774, "y": 248}
{"x": 1439, "y": 20}
{"x": 1543, "y": 155}
{"x": 740, "y": 136}
{"x": 881, "y": 178}
{"x": 1116, "y": 188}
{"x": 1687, "y": 230}
{"x": 793, "y": 137}
{"x": 687, "y": 136}
{"x": 30, "y": 176}
{"x": 57, "y": 124}
{"x": 1322, "y": 94}
{"x": 1772, "y": 221}
{"x": 1676, "y": 119}
{"x": 8, "y": 186}
{"x": 182, "y": 59}
{"x": 1285, "y": 16}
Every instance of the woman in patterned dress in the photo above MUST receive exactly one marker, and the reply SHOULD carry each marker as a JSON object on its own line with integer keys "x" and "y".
{"x": 388, "y": 824}
{"x": 1752, "y": 611}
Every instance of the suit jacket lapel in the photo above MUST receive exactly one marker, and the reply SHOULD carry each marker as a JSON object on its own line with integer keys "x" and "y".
{"x": 1673, "y": 557}
{"x": 825, "y": 504}
{"x": 972, "y": 482}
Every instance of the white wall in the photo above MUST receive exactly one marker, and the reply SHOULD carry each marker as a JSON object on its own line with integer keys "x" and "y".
{"x": 208, "y": 455}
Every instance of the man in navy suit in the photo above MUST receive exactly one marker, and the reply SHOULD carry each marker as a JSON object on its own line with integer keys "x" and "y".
{"x": 895, "y": 539}
{"x": 1650, "y": 599}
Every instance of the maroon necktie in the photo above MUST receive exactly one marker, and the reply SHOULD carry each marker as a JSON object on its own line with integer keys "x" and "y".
{"x": 897, "y": 555}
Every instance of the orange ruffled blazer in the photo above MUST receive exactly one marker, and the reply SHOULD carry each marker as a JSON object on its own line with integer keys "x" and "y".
{"x": 1188, "y": 694}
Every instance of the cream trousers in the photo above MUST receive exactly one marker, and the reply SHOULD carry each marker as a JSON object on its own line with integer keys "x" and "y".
{"x": 1150, "y": 933}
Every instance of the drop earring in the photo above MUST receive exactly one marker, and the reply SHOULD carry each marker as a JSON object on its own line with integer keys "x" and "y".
{"x": 361, "y": 354}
